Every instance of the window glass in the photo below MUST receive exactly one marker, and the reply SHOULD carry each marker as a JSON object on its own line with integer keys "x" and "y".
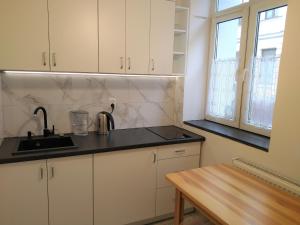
{"x": 270, "y": 14}
{"x": 265, "y": 67}
{"x": 225, "y": 4}
{"x": 222, "y": 85}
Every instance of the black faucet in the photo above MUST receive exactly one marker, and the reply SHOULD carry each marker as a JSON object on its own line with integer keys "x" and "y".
{"x": 46, "y": 131}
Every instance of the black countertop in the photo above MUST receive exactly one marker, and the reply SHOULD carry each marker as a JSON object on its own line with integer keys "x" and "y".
{"x": 117, "y": 140}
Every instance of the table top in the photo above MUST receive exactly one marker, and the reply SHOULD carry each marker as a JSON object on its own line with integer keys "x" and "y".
{"x": 229, "y": 195}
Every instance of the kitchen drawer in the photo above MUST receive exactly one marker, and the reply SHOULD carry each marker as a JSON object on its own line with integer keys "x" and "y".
{"x": 173, "y": 165}
{"x": 165, "y": 201}
{"x": 173, "y": 151}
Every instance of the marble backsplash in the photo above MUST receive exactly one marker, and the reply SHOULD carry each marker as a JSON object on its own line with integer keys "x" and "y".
{"x": 141, "y": 101}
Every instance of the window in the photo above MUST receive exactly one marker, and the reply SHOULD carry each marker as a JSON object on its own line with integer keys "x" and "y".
{"x": 244, "y": 63}
{"x": 222, "y": 98}
{"x": 225, "y": 4}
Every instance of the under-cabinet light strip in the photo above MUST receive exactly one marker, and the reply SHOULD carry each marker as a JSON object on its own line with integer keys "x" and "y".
{"x": 91, "y": 74}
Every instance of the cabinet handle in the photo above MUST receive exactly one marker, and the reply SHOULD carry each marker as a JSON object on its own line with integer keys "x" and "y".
{"x": 122, "y": 63}
{"x": 153, "y": 65}
{"x": 41, "y": 173}
{"x": 154, "y": 157}
{"x": 129, "y": 63}
{"x": 52, "y": 171}
{"x": 54, "y": 59}
{"x": 180, "y": 151}
{"x": 44, "y": 59}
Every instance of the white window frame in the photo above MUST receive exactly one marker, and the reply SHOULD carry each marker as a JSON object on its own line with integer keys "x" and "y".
{"x": 223, "y": 16}
{"x": 253, "y": 22}
{"x": 248, "y": 11}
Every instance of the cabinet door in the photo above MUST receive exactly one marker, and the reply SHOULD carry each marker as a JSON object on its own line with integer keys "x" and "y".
{"x": 137, "y": 36}
{"x": 165, "y": 201}
{"x": 73, "y": 35}
{"x": 174, "y": 165}
{"x": 23, "y": 194}
{"x": 24, "y": 41}
{"x": 162, "y": 36}
{"x": 112, "y": 36}
{"x": 124, "y": 186}
{"x": 165, "y": 197}
{"x": 70, "y": 187}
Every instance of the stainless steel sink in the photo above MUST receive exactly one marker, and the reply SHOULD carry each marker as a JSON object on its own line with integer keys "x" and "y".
{"x": 44, "y": 145}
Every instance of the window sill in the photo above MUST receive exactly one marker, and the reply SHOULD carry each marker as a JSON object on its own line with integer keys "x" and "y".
{"x": 254, "y": 140}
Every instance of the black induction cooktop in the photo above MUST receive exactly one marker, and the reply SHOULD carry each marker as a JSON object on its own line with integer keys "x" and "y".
{"x": 169, "y": 132}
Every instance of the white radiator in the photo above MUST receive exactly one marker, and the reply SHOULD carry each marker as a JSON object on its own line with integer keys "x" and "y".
{"x": 267, "y": 175}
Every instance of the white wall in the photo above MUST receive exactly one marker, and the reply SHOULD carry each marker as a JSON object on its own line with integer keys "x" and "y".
{"x": 285, "y": 138}
{"x": 217, "y": 149}
{"x": 197, "y": 65}
{"x": 284, "y": 152}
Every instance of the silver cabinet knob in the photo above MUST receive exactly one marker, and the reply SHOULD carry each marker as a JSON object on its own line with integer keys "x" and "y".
{"x": 41, "y": 173}
{"x": 121, "y": 63}
{"x": 154, "y": 157}
{"x": 52, "y": 172}
{"x": 129, "y": 63}
{"x": 44, "y": 59}
{"x": 153, "y": 64}
{"x": 54, "y": 59}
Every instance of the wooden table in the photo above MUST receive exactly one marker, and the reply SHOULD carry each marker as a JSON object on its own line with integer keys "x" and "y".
{"x": 228, "y": 195}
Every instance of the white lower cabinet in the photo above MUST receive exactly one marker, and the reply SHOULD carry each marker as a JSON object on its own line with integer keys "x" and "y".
{"x": 124, "y": 186}
{"x": 70, "y": 188}
{"x": 23, "y": 193}
{"x": 165, "y": 201}
{"x": 173, "y": 158}
{"x": 173, "y": 165}
{"x": 28, "y": 192}
{"x": 130, "y": 186}
{"x": 114, "y": 188}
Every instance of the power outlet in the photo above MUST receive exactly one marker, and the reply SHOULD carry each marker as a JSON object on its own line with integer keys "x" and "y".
{"x": 113, "y": 101}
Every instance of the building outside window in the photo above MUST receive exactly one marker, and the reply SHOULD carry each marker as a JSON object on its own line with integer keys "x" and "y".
{"x": 270, "y": 14}
{"x": 244, "y": 63}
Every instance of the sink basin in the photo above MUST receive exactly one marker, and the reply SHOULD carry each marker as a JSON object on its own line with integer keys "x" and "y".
{"x": 45, "y": 144}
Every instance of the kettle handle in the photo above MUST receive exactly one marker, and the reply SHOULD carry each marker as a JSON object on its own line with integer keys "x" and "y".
{"x": 110, "y": 122}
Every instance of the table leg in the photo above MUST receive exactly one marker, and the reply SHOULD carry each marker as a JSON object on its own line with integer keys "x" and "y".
{"x": 179, "y": 208}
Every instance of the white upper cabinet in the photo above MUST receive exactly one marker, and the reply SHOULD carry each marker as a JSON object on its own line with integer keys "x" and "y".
{"x": 107, "y": 36}
{"x": 73, "y": 35}
{"x": 70, "y": 188}
{"x": 162, "y": 36}
{"x": 24, "y": 43}
{"x": 137, "y": 36}
{"x": 112, "y": 36}
{"x": 23, "y": 194}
